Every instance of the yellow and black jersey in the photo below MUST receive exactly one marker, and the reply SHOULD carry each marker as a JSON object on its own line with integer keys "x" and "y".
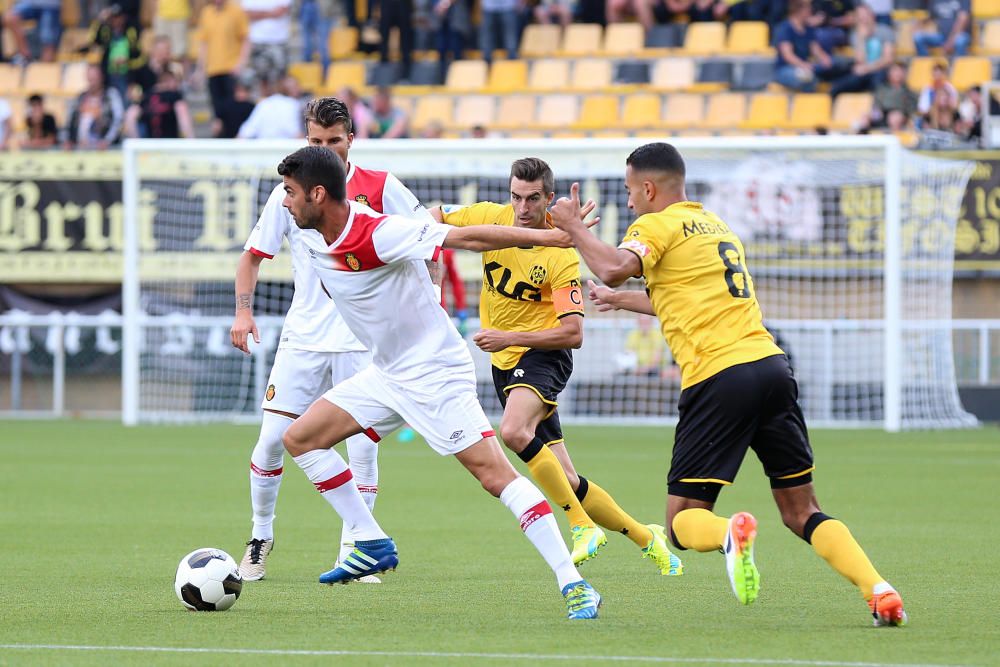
{"x": 702, "y": 293}
{"x": 524, "y": 289}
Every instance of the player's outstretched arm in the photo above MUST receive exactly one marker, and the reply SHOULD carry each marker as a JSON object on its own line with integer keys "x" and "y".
{"x": 612, "y": 265}
{"x": 606, "y": 299}
{"x": 481, "y": 238}
{"x": 246, "y": 282}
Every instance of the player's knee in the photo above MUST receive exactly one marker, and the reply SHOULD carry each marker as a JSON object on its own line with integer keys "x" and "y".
{"x": 295, "y": 442}
{"x": 515, "y": 436}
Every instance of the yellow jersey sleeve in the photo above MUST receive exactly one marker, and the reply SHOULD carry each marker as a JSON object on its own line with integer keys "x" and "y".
{"x": 649, "y": 240}
{"x": 567, "y": 296}
{"x": 483, "y": 213}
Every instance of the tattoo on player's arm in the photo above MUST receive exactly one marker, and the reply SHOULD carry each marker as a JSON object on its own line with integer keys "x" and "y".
{"x": 244, "y": 301}
{"x": 435, "y": 270}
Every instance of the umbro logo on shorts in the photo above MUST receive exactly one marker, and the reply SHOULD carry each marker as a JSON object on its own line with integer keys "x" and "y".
{"x": 456, "y": 435}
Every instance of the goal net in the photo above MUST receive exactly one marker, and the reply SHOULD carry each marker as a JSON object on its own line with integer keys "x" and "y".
{"x": 849, "y": 241}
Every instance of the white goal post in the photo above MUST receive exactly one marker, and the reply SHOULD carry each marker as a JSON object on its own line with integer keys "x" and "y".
{"x": 850, "y": 240}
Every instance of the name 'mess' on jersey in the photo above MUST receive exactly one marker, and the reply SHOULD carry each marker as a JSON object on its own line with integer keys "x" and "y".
{"x": 312, "y": 321}
{"x": 702, "y": 293}
{"x": 524, "y": 289}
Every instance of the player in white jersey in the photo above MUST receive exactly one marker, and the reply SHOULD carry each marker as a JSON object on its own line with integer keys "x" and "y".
{"x": 316, "y": 349}
{"x": 373, "y": 266}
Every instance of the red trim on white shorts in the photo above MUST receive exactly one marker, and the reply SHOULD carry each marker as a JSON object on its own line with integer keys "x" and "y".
{"x": 260, "y": 253}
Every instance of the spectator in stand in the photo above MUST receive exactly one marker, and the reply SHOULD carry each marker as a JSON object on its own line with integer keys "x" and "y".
{"x": 159, "y": 59}
{"x": 41, "y": 127}
{"x": 170, "y": 19}
{"x": 361, "y": 115}
{"x": 971, "y": 111}
{"x": 451, "y": 281}
{"x": 270, "y": 32}
{"x": 452, "y": 24}
{"x": 95, "y": 119}
{"x": 223, "y": 29}
{"x": 163, "y": 112}
{"x": 397, "y": 14}
{"x": 555, "y": 11}
{"x": 947, "y": 27}
{"x": 939, "y": 87}
{"x": 801, "y": 61}
{"x": 647, "y": 12}
{"x": 874, "y": 46}
{"x": 388, "y": 121}
{"x": 6, "y": 127}
{"x": 893, "y": 97}
{"x": 943, "y": 114}
{"x": 832, "y": 19}
{"x": 315, "y": 21}
{"x": 234, "y": 113}
{"x": 47, "y": 15}
{"x": 276, "y": 116}
{"x": 499, "y": 17}
{"x": 119, "y": 42}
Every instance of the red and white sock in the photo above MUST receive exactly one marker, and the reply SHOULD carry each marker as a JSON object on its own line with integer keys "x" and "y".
{"x": 326, "y": 469}
{"x": 527, "y": 503}
{"x": 266, "y": 467}
{"x": 362, "y": 455}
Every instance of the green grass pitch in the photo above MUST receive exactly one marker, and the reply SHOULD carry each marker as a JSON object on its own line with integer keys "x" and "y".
{"x": 95, "y": 518}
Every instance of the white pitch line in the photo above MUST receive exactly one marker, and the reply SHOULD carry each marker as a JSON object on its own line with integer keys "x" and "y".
{"x": 480, "y": 656}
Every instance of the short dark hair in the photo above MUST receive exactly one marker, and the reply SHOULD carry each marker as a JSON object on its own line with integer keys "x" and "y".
{"x": 327, "y": 112}
{"x": 657, "y": 156}
{"x": 534, "y": 169}
{"x": 312, "y": 166}
{"x": 35, "y": 99}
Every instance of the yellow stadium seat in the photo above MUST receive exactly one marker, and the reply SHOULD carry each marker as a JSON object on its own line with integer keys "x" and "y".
{"x": 69, "y": 14}
{"x": 343, "y": 42}
{"x": 919, "y": 74}
{"x": 985, "y": 9}
{"x": 748, "y": 37}
{"x": 44, "y": 78}
{"x": 725, "y": 111}
{"x": 432, "y": 108}
{"x": 623, "y": 39}
{"x": 683, "y": 110}
{"x": 990, "y": 38}
{"x": 539, "y": 41}
{"x": 767, "y": 111}
{"x": 598, "y": 112}
{"x": 508, "y": 76}
{"x": 591, "y": 74}
{"x": 567, "y": 134}
{"x": 309, "y": 75}
{"x": 516, "y": 111}
{"x": 549, "y": 74}
{"x": 18, "y": 113}
{"x": 72, "y": 41}
{"x": 904, "y": 38}
{"x": 472, "y": 110}
{"x": 581, "y": 39}
{"x": 557, "y": 111}
{"x": 705, "y": 39}
{"x": 970, "y": 71}
{"x": 350, "y": 74}
{"x": 10, "y": 78}
{"x": 642, "y": 110}
{"x": 849, "y": 109}
{"x": 672, "y": 74}
{"x": 464, "y": 75}
{"x": 809, "y": 111}
{"x": 74, "y": 79}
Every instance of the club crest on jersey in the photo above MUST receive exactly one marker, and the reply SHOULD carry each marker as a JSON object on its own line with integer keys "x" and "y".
{"x": 361, "y": 199}
{"x": 352, "y": 261}
{"x": 269, "y": 394}
{"x": 537, "y": 274}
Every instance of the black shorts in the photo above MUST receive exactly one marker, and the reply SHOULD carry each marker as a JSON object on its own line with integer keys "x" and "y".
{"x": 751, "y": 405}
{"x": 546, "y": 372}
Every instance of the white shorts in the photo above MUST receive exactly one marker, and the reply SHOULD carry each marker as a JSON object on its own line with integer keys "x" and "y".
{"x": 299, "y": 377}
{"x": 445, "y": 411}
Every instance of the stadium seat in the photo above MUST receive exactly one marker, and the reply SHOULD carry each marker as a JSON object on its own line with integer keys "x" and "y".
{"x": 705, "y": 39}
{"x": 425, "y": 73}
{"x": 557, "y": 111}
{"x": 725, "y": 111}
{"x": 73, "y": 44}
{"x": 683, "y": 110}
{"x": 767, "y": 111}
{"x": 539, "y": 41}
{"x": 466, "y": 75}
{"x": 472, "y": 110}
{"x": 753, "y": 75}
{"x": 549, "y": 74}
{"x": 591, "y": 74}
{"x": 345, "y": 74}
{"x": 516, "y": 111}
{"x": 990, "y": 38}
{"x": 598, "y": 112}
{"x": 642, "y": 110}
{"x": 622, "y": 39}
{"x": 343, "y": 42}
{"x": 581, "y": 39}
{"x": 919, "y": 74}
{"x": 508, "y": 76}
{"x": 69, "y": 14}
{"x": 384, "y": 74}
{"x": 970, "y": 71}
{"x": 985, "y": 9}
{"x": 904, "y": 38}
{"x": 748, "y": 38}
{"x": 10, "y": 78}
{"x": 632, "y": 72}
{"x": 44, "y": 78}
{"x": 665, "y": 36}
{"x": 849, "y": 109}
{"x": 672, "y": 74}
{"x": 309, "y": 75}
{"x": 716, "y": 71}
{"x": 809, "y": 111}
{"x": 74, "y": 79}
{"x": 432, "y": 108}
{"x": 18, "y": 113}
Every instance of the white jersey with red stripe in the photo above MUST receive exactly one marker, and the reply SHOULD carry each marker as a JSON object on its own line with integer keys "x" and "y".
{"x": 312, "y": 321}
{"x": 376, "y": 272}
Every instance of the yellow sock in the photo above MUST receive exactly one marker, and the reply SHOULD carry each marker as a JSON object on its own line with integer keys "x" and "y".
{"x": 700, "y": 530}
{"x": 834, "y": 542}
{"x": 545, "y": 468}
{"x": 603, "y": 509}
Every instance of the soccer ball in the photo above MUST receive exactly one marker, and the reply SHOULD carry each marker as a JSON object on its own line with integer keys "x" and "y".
{"x": 208, "y": 580}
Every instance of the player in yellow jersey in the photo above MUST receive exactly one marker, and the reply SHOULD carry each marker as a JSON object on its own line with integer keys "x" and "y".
{"x": 737, "y": 388}
{"x": 531, "y": 312}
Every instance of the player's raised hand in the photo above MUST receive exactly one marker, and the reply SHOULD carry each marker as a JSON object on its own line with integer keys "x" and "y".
{"x": 567, "y": 212}
{"x": 491, "y": 340}
{"x": 601, "y": 296}
{"x": 243, "y": 327}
